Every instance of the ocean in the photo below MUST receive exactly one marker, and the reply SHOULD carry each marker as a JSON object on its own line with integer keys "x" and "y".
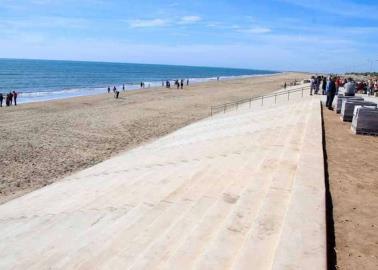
{"x": 41, "y": 80}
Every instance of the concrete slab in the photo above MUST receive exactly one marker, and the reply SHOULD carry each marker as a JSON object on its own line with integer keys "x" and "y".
{"x": 239, "y": 190}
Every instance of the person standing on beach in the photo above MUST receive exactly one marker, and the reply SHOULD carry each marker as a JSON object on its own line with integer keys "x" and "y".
{"x": 10, "y": 98}
{"x": 114, "y": 89}
{"x": 7, "y": 100}
{"x": 116, "y": 94}
{"x": 1, "y": 99}
{"x": 187, "y": 82}
{"x": 182, "y": 84}
{"x": 108, "y": 89}
{"x": 123, "y": 87}
{"x": 15, "y": 98}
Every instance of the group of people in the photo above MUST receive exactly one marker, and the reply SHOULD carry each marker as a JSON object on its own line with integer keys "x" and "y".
{"x": 330, "y": 87}
{"x": 178, "y": 83}
{"x": 316, "y": 82}
{"x": 10, "y": 99}
{"x": 369, "y": 87}
{"x": 115, "y": 91}
{"x": 293, "y": 83}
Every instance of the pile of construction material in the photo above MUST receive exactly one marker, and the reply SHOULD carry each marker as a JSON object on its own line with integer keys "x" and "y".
{"x": 341, "y": 98}
{"x": 347, "y": 108}
{"x": 365, "y": 120}
{"x": 363, "y": 114}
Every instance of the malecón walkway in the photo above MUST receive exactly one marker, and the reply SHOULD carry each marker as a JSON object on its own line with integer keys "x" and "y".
{"x": 240, "y": 190}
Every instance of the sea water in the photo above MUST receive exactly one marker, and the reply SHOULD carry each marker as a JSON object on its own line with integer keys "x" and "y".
{"x": 40, "y": 80}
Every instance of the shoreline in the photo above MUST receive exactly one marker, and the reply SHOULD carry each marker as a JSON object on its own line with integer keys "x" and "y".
{"x": 99, "y": 90}
{"x": 44, "y": 141}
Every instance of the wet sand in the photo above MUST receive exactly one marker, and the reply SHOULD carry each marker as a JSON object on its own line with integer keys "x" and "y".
{"x": 42, "y": 142}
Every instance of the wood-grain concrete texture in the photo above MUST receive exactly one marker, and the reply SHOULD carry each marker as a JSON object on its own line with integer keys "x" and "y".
{"x": 240, "y": 190}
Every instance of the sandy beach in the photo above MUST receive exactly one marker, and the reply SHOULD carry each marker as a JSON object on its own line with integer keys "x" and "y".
{"x": 42, "y": 142}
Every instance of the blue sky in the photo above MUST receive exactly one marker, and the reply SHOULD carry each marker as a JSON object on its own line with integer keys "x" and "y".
{"x": 321, "y": 35}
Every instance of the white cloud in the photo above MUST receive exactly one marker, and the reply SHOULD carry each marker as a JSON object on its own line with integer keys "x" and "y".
{"x": 190, "y": 19}
{"x": 147, "y": 23}
{"x": 256, "y": 30}
{"x": 142, "y": 23}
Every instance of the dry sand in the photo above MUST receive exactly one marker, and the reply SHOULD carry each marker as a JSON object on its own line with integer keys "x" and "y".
{"x": 353, "y": 175}
{"x": 41, "y": 142}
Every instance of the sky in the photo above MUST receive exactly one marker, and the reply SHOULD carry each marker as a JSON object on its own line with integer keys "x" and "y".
{"x": 302, "y": 35}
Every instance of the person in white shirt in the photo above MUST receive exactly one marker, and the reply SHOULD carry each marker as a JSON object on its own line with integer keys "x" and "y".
{"x": 350, "y": 88}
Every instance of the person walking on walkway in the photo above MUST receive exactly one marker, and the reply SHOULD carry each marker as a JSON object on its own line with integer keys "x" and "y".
{"x": 331, "y": 92}
{"x": 324, "y": 85}
{"x": 312, "y": 85}
{"x": 317, "y": 85}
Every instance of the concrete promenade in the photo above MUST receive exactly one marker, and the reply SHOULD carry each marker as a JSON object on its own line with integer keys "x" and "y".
{"x": 240, "y": 190}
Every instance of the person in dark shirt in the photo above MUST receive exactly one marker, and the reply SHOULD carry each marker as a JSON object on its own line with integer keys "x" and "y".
{"x": 1, "y": 99}
{"x": 108, "y": 89}
{"x": 324, "y": 85}
{"x": 331, "y": 92}
{"x": 7, "y": 100}
{"x": 15, "y": 98}
{"x": 10, "y": 98}
{"x": 116, "y": 94}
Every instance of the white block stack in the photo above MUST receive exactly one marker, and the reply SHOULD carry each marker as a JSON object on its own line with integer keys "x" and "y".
{"x": 347, "y": 108}
{"x": 340, "y": 99}
{"x": 365, "y": 120}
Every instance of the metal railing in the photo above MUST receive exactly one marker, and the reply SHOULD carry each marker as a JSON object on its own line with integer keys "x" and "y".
{"x": 227, "y": 106}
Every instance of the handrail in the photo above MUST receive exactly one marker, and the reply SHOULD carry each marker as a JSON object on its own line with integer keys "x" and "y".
{"x": 236, "y": 104}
